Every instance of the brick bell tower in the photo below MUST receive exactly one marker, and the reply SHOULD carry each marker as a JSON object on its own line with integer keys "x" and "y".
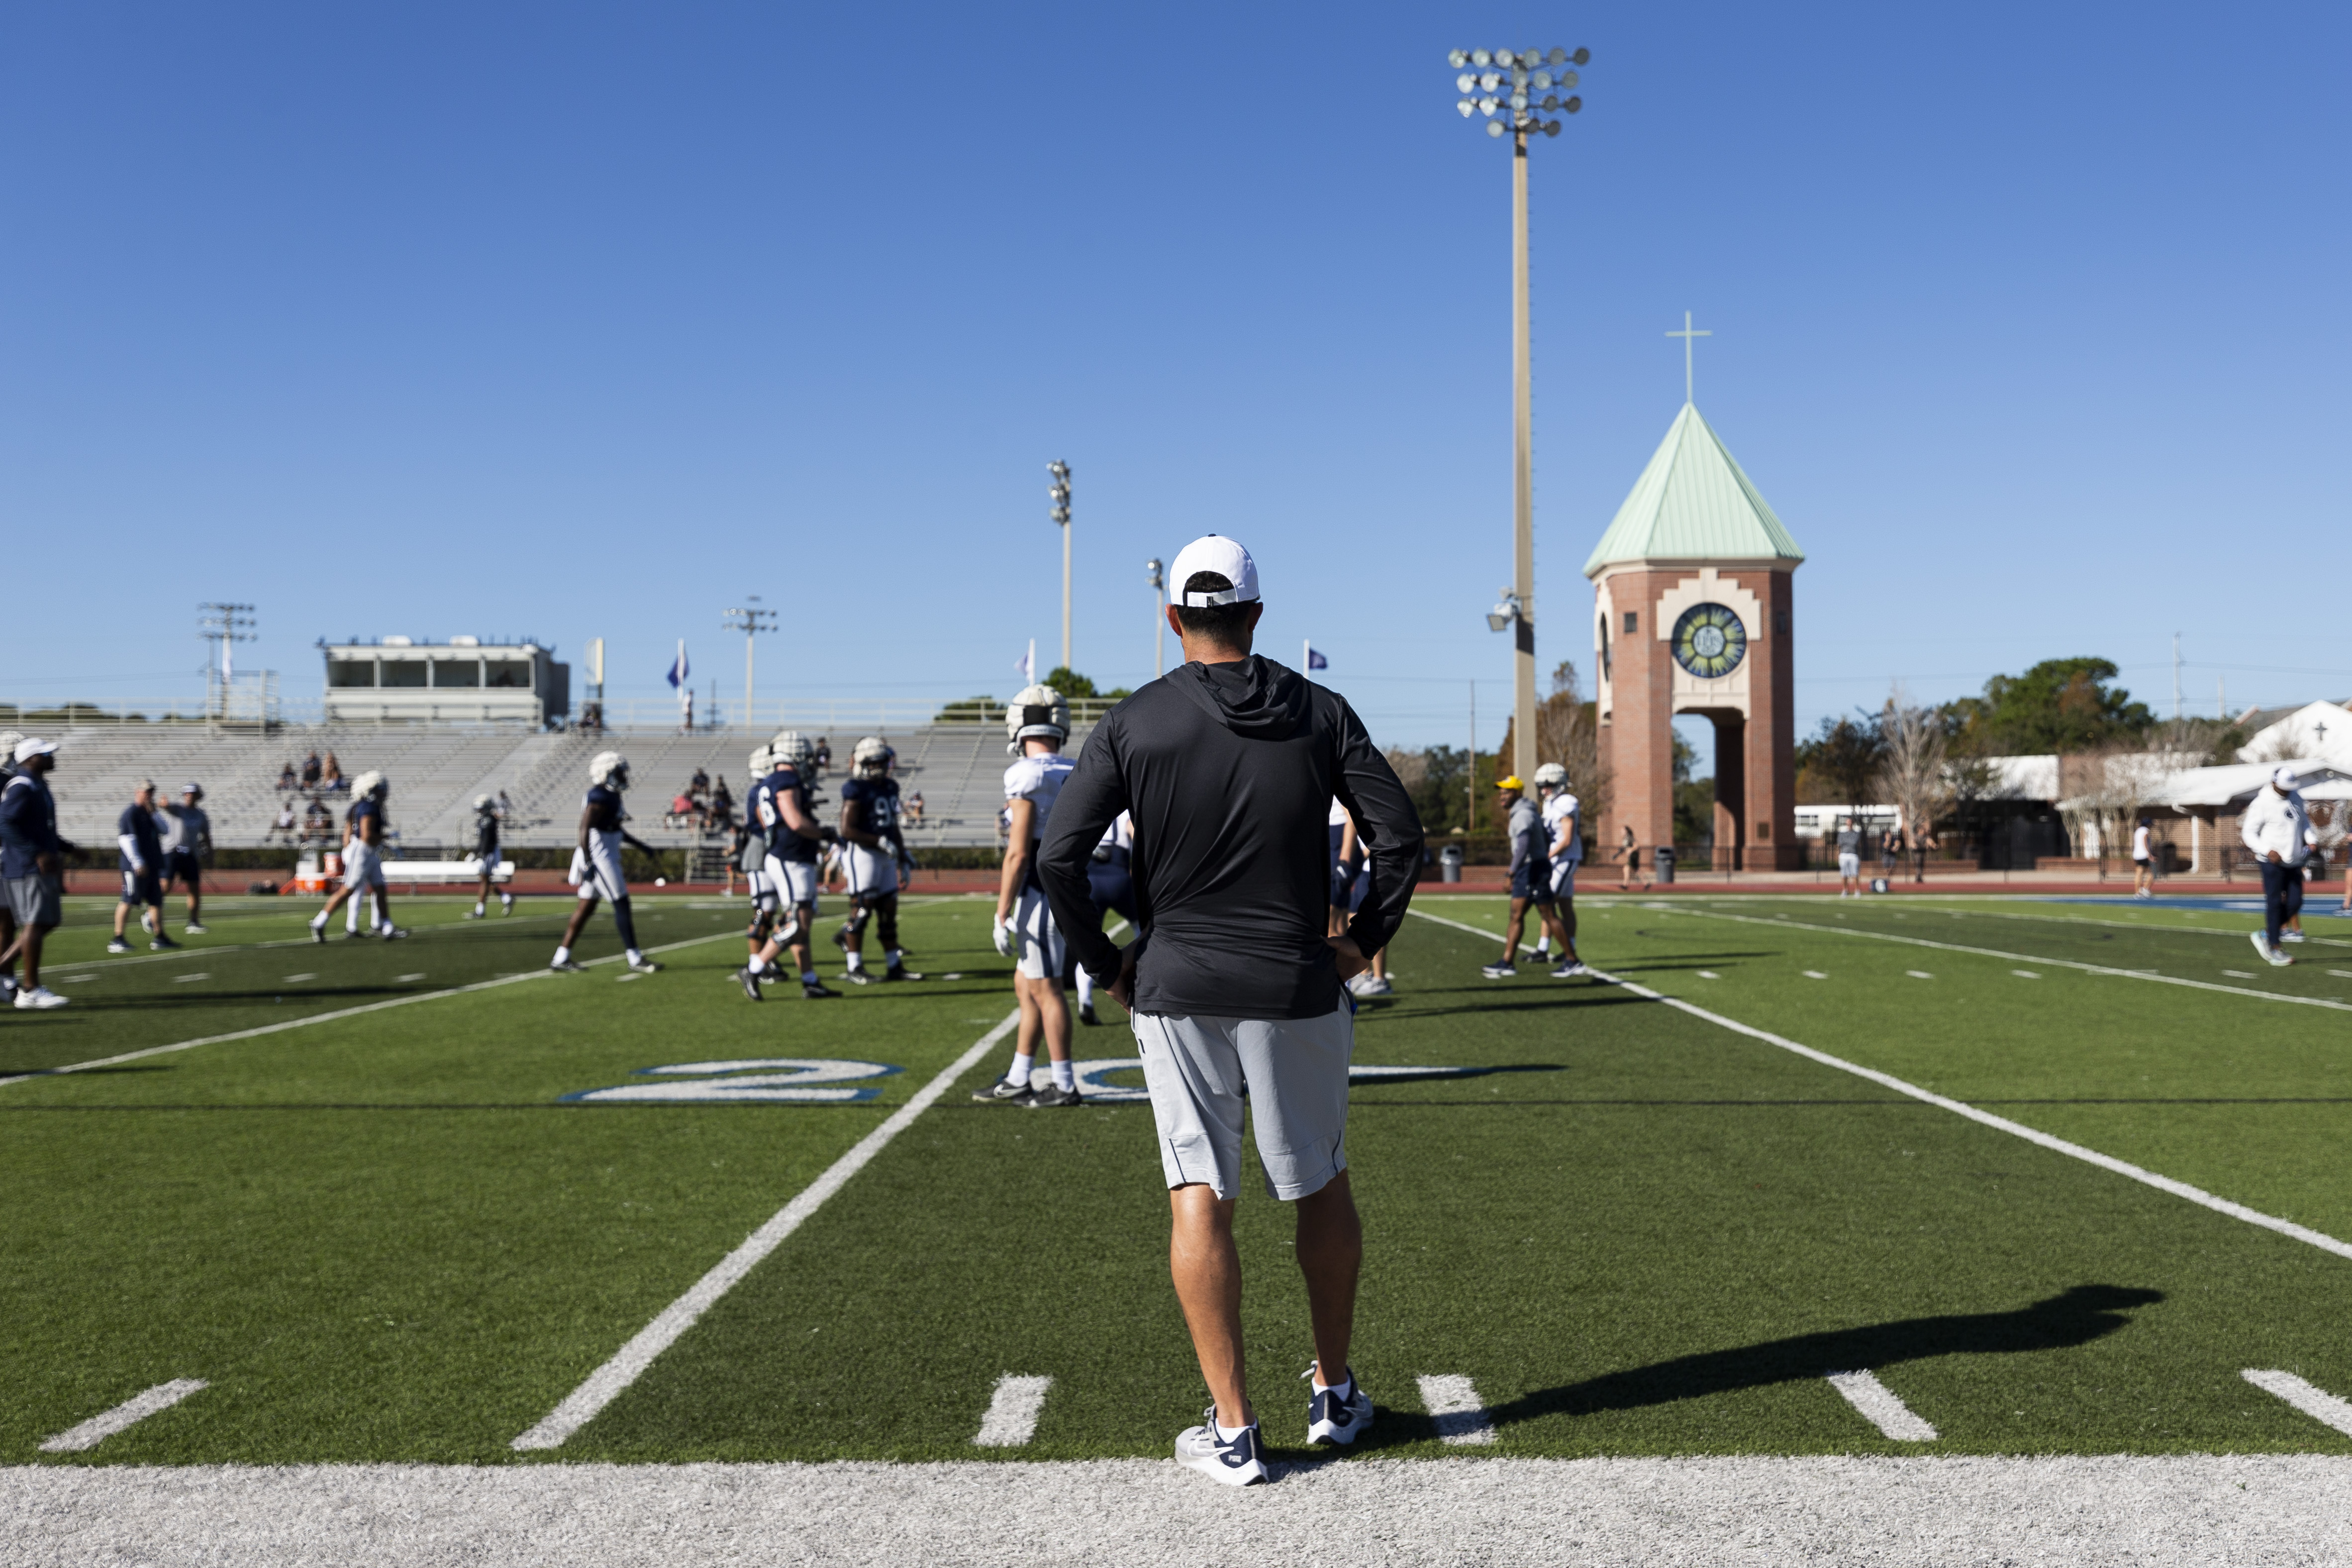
{"x": 1692, "y": 584}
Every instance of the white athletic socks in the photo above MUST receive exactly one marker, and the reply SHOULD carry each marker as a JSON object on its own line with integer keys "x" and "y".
{"x": 1227, "y": 1433}
{"x": 505, "y": 900}
{"x": 480, "y": 909}
{"x": 1343, "y": 1389}
{"x": 1065, "y": 1075}
{"x": 1086, "y": 988}
{"x": 635, "y": 957}
{"x": 1021, "y": 1062}
{"x": 562, "y": 955}
{"x": 320, "y": 921}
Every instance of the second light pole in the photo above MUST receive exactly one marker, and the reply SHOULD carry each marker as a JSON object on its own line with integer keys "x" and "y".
{"x": 1060, "y": 492}
{"x": 750, "y": 620}
{"x": 1513, "y": 90}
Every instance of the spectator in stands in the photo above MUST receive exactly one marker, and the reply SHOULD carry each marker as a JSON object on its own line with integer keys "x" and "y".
{"x": 722, "y": 805}
{"x": 332, "y": 779}
{"x": 286, "y": 781}
{"x": 311, "y": 770}
{"x": 317, "y": 822}
{"x": 824, "y": 752}
{"x": 914, "y": 808}
{"x": 287, "y": 823}
{"x": 506, "y": 808}
{"x": 700, "y": 784}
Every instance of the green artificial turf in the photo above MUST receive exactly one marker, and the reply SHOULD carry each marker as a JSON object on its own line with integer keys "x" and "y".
{"x": 390, "y": 1236}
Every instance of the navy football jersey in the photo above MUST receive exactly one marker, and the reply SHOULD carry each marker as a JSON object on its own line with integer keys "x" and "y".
{"x": 603, "y": 809}
{"x": 873, "y": 806}
{"x": 785, "y": 783}
{"x": 363, "y": 810}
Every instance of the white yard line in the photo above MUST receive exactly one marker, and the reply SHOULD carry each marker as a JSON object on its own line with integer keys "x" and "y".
{"x": 1012, "y": 1412}
{"x": 629, "y": 1363}
{"x": 1882, "y": 1407}
{"x": 2329, "y": 1002}
{"x": 2312, "y": 1401}
{"x": 337, "y": 1013}
{"x": 1453, "y": 1401}
{"x": 137, "y": 1408}
{"x": 2000, "y": 1123}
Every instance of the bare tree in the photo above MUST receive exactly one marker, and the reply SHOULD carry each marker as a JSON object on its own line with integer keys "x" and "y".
{"x": 1567, "y": 732}
{"x": 1913, "y": 775}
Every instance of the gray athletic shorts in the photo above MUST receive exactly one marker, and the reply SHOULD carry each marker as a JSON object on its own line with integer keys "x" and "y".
{"x": 1297, "y": 1071}
{"x": 37, "y": 900}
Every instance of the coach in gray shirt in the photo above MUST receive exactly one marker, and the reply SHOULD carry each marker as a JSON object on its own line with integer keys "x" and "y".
{"x": 1229, "y": 767}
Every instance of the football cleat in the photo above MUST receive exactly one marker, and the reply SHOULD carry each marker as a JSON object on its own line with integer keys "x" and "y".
{"x": 118, "y": 945}
{"x": 162, "y": 944}
{"x": 814, "y": 990}
{"x": 899, "y": 972}
{"x": 475, "y": 914}
{"x": 1504, "y": 971}
{"x": 568, "y": 966}
{"x": 1570, "y": 970}
{"x": 39, "y": 996}
{"x": 192, "y": 929}
{"x": 748, "y": 978}
{"x": 644, "y": 967}
{"x": 318, "y": 933}
{"x": 857, "y": 976}
{"x": 1238, "y": 1463}
{"x": 1053, "y": 1097}
{"x": 1087, "y": 1015}
{"x": 392, "y": 933}
{"x": 1330, "y": 1418}
{"x": 1005, "y": 1090}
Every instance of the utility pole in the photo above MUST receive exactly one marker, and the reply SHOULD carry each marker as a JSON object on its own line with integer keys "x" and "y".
{"x": 1503, "y": 81}
{"x": 1159, "y": 618}
{"x": 2177, "y": 709}
{"x": 1060, "y": 492}
{"x": 222, "y": 625}
{"x": 750, "y": 620}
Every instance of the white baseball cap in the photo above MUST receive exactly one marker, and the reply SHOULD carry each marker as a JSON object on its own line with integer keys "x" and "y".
{"x": 1226, "y": 558}
{"x": 2284, "y": 777}
{"x": 32, "y": 746}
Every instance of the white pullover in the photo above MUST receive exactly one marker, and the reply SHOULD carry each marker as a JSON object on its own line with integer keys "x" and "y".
{"x": 2276, "y": 822}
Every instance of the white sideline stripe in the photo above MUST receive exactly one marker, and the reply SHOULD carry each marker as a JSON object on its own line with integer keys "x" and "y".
{"x": 1882, "y": 1407}
{"x": 137, "y": 1408}
{"x": 1782, "y": 924}
{"x": 1453, "y": 1400}
{"x": 337, "y": 1013}
{"x": 629, "y": 1363}
{"x": 2312, "y": 1401}
{"x": 1013, "y": 1411}
{"x": 2000, "y": 1123}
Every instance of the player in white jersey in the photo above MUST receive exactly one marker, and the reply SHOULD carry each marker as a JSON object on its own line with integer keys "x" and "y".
{"x": 1351, "y": 879}
{"x": 1563, "y": 821}
{"x": 596, "y": 863}
{"x": 1038, "y": 722}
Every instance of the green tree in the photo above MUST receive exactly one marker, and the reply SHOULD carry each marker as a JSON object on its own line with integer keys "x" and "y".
{"x": 2059, "y": 705}
{"x": 1839, "y": 764}
{"x": 1069, "y": 682}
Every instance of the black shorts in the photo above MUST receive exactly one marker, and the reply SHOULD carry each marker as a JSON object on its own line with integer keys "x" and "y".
{"x": 182, "y": 868}
{"x": 142, "y": 887}
{"x": 1533, "y": 881}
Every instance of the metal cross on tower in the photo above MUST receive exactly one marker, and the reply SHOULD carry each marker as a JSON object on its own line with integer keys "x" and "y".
{"x": 1686, "y": 335}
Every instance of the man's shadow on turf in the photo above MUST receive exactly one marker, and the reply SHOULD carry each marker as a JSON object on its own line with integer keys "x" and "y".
{"x": 2073, "y": 1317}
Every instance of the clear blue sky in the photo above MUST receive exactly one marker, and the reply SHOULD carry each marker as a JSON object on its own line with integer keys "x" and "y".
{"x": 589, "y": 320}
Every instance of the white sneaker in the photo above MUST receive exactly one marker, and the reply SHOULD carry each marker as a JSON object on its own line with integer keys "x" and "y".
{"x": 1499, "y": 971}
{"x": 2290, "y": 936}
{"x": 193, "y": 929}
{"x": 1570, "y": 970}
{"x": 1240, "y": 1463}
{"x": 1380, "y": 986}
{"x": 1330, "y": 1419}
{"x": 1360, "y": 984}
{"x": 39, "y": 996}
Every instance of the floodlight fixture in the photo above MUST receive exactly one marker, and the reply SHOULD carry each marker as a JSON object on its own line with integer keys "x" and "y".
{"x": 1519, "y": 83}
{"x": 1506, "y": 611}
{"x": 1457, "y": 59}
{"x": 1581, "y": 57}
{"x": 1493, "y": 127}
{"x": 1481, "y": 58}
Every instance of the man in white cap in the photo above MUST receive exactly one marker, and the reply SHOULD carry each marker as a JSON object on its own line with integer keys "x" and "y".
{"x": 32, "y": 865}
{"x": 187, "y": 839}
{"x": 1228, "y": 767}
{"x": 2278, "y": 830}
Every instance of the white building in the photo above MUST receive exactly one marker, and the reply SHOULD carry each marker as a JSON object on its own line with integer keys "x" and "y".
{"x": 463, "y": 681}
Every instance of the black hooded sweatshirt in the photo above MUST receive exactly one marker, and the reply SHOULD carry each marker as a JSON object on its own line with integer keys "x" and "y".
{"x": 1230, "y": 770}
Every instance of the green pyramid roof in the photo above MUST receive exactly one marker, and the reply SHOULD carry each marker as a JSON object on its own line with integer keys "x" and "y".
{"x": 1693, "y": 500}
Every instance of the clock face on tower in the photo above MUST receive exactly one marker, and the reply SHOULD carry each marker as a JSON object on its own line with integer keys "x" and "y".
{"x": 1709, "y": 642}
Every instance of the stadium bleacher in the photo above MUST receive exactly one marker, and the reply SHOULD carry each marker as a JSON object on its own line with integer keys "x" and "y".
{"x": 437, "y": 771}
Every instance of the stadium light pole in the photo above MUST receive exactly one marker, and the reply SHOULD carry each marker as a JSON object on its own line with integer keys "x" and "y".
{"x": 1159, "y": 618}
{"x": 1060, "y": 512}
{"x": 222, "y": 625}
{"x": 1503, "y": 85}
{"x": 750, "y": 620}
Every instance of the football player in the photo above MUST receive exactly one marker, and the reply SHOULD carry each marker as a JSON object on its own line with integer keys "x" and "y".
{"x": 748, "y": 853}
{"x": 362, "y": 863}
{"x": 782, "y": 806}
{"x": 874, "y": 858}
{"x": 596, "y": 862}
{"x": 1038, "y": 722}
{"x": 1563, "y": 820}
{"x": 1352, "y": 882}
{"x": 485, "y": 849}
{"x": 141, "y": 838}
{"x": 1113, "y": 884}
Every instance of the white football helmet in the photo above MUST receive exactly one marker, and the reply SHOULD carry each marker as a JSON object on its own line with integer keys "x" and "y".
{"x": 8, "y": 738}
{"x": 610, "y": 769}
{"x": 872, "y": 758}
{"x": 484, "y": 803}
{"x": 789, "y": 748}
{"x": 370, "y": 783}
{"x": 1551, "y": 777}
{"x": 1037, "y": 711}
{"x": 763, "y": 762}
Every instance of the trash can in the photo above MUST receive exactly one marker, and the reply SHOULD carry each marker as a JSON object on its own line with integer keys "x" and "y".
{"x": 1449, "y": 863}
{"x": 1662, "y": 857}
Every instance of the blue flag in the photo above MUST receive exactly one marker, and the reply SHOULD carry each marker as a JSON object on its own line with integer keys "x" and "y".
{"x": 677, "y": 669}
{"x": 1316, "y": 661}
